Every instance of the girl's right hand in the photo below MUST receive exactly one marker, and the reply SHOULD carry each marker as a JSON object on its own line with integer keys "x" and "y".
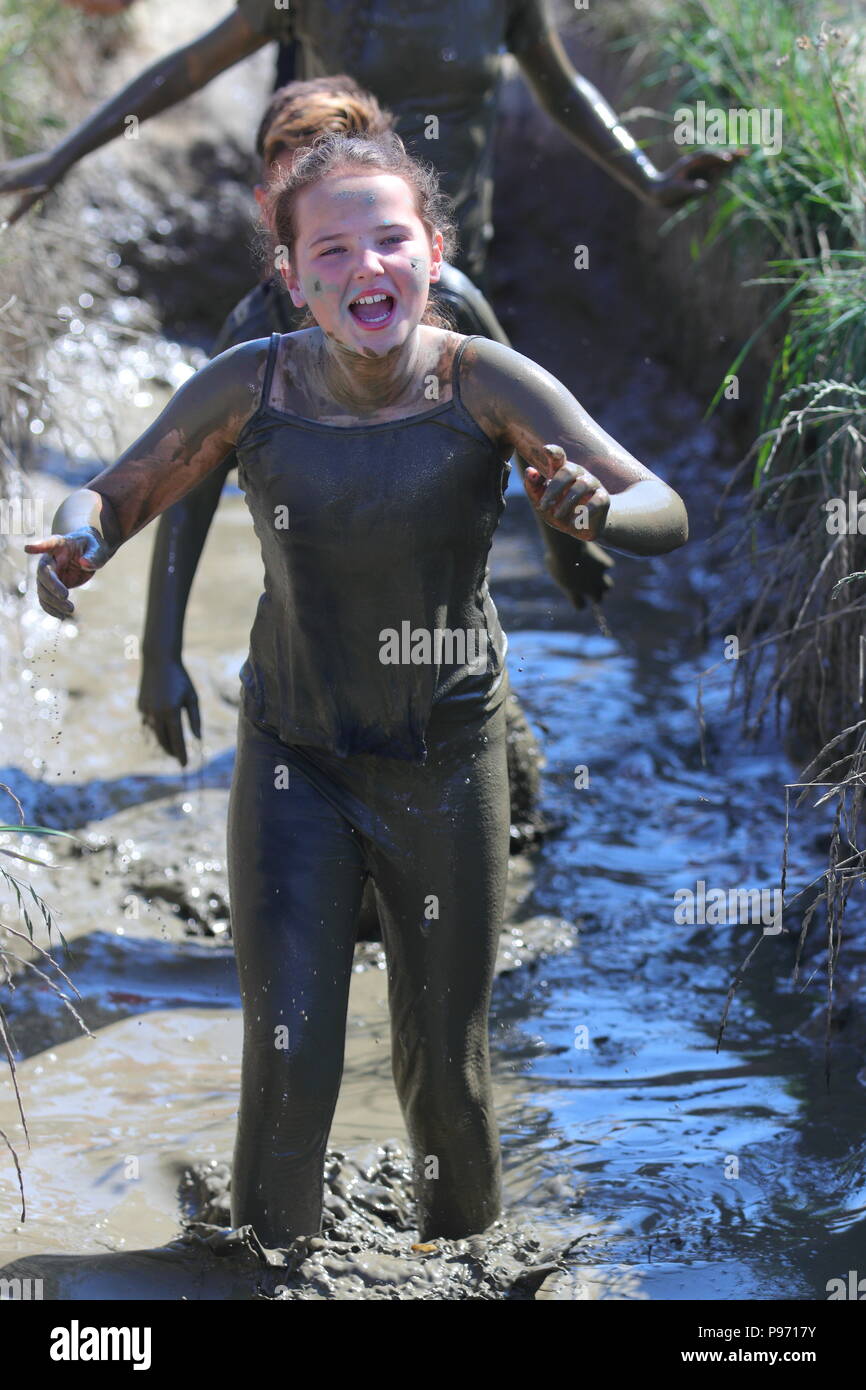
{"x": 67, "y": 562}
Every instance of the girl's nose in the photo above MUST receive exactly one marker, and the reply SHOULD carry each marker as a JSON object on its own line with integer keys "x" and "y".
{"x": 369, "y": 262}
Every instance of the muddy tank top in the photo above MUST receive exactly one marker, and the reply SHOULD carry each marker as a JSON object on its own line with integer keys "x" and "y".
{"x": 374, "y": 540}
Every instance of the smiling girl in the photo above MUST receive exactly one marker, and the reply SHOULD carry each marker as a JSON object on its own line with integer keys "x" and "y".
{"x": 373, "y": 451}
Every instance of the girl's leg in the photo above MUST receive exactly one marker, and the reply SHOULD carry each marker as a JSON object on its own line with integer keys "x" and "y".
{"x": 295, "y": 871}
{"x": 441, "y": 902}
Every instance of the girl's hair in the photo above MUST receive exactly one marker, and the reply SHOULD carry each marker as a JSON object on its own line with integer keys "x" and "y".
{"x": 381, "y": 152}
{"x": 301, "y": 111}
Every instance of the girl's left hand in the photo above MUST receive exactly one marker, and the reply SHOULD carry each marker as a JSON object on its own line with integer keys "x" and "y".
{"x": 570, "y": 499}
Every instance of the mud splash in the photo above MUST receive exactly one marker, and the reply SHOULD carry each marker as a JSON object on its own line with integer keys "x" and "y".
{"x": 366, "y": 1250}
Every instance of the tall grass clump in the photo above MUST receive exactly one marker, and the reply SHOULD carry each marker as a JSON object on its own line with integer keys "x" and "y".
{"x": 798, "y": 218}
{"x": 802, "y": 213}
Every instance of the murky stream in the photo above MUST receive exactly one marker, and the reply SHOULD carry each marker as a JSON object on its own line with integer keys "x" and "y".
{"x": 685, "y": 1171}
{"x": 640, "y": 1160}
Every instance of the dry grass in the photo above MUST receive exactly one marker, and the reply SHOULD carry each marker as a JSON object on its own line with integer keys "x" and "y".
{"x": 10, "y": 958}
{"x": 48, "y": 57}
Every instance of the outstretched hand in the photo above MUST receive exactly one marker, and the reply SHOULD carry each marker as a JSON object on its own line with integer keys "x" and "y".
{"x": 567, "y": 496}
{"x": 67, "y": 562}
{"x": 31, "y": 175}
{"x": 694, "y": 175}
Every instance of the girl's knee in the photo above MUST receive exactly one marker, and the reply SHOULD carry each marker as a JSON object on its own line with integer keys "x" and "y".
{"x": 303, "y": 1071}
{"x": 442, "y": 1097}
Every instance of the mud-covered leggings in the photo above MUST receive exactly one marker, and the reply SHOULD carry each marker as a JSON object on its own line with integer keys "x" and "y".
{"x": 434, "y": 839}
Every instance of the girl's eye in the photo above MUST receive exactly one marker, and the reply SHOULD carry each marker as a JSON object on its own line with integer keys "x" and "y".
{"x": 394, "y": 236}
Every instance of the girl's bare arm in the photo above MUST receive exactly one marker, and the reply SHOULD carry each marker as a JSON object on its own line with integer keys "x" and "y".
{"x": 572, "y": 460}
{"x": 194, "y": 434}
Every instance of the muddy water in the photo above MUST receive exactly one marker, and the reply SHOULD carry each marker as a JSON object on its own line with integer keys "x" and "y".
{"x": 641, "y": 1160}
{"x": 645, "y": 1161}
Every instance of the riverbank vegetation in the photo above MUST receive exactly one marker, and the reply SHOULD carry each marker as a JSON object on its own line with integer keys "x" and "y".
{"x": 47, "y": 51}
{"x": 798, "y": 214}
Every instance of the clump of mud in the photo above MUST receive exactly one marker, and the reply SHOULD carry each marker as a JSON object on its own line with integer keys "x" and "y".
{"x": 368, "y": 1247}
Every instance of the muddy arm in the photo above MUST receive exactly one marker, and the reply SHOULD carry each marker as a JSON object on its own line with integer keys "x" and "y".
{"x": 524, "y": 409}
{"x": 580, "y": 110}
{"x": 183, "y": 529}
{"x": 195, "y": 433}
{"x": 166, "y": 689}
{"x": 163, "y": 84}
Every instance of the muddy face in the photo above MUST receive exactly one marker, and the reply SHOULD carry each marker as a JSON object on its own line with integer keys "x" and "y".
{"x": 364, "y": 262}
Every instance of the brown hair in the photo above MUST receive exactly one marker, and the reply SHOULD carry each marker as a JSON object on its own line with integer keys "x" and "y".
{"x": 301, "y": 111}
{"x": 380, "y": 153}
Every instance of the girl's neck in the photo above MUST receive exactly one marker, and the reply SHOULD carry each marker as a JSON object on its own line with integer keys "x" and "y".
{"x": 364, "y": 382}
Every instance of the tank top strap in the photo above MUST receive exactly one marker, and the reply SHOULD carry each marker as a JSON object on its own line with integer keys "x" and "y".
{"x": 273, "y": 349}
{"x": 455, "y": 368}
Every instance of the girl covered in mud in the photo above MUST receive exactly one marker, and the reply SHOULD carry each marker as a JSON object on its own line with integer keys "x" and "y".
{"x": 373, "y": 447}
{"x": 296, "y": 114}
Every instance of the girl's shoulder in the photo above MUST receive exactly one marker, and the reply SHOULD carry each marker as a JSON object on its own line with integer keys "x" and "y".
{"x": 486, "y": 366}
{"x": 230, "y": 385}
{"x": 499, "y": 385}
{"x": 490, "y": 369}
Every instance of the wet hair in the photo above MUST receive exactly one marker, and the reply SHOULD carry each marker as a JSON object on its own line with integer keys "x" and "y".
{"x": 299, "y": 112}
{"x": 373, "y": 153}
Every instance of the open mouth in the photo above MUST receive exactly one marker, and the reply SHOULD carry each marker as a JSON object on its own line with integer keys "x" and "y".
{"x": 373, "y": 310}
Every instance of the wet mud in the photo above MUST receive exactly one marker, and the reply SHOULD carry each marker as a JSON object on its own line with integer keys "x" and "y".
{"x": 366, "y": 1250}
